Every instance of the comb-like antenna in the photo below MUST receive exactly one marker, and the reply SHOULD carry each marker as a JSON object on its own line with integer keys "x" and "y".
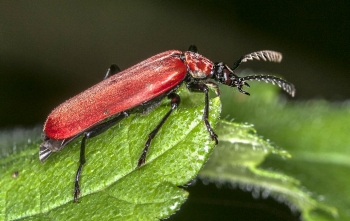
{"x": 266, "y": 55}
{"x": 286, "y": 86}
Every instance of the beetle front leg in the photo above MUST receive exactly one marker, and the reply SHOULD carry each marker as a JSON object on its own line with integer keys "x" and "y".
{"x": 92, "y": 132}
{"x": 175, "y": 101}
{"x": 201, "y": 87}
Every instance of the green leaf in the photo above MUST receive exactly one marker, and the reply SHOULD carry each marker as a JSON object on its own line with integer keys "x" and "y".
{"x": 315, "y": 133}
{"x": 112, "y": 187}
{"x": 236, "y": 160}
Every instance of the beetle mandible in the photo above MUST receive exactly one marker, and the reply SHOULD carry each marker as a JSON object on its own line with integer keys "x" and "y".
{"x": 139, "y": 89}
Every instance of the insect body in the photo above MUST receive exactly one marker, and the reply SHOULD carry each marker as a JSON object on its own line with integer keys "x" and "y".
{"x": 139, "y": 89}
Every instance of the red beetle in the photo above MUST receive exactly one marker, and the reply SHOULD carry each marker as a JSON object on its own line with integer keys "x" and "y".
{"x": 139, "y": 89}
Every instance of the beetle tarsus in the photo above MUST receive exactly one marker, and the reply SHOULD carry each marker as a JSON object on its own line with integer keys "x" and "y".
{"x": 142, "y": 159}
{"x": 213, "y": 135}
{"x": 76, "y": 185}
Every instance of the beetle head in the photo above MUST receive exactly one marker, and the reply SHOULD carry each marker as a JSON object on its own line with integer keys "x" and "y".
{"x": 225, "y": 75}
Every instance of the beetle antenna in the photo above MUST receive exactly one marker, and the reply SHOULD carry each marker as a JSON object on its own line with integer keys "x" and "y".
{"x": 265, "y": 55}
{"x": 286, "y": 86}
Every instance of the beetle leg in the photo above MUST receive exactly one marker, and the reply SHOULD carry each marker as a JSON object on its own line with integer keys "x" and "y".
{"x": 92, "y": 132}
{"x": 112, "y": 70}
{"x": 81, "y": 163}
{"x": 175, "y": 101}
{"x": 214, "y": 86}
{"x": 193, "y": 48}
{"x": 201, "y": 87}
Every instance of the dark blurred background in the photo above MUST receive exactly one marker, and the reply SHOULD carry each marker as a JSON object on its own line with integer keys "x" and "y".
{"x": 50, "y": 51}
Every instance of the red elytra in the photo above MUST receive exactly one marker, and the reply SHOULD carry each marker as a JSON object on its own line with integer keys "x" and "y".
{"x": 139, "y": 89}
{"x": 125, "y": 90}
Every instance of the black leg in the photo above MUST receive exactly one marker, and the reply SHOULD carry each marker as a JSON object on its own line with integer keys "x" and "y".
{"x": 193, "y": 48}
{"x": 201, "y": 87}
{"x": 92, "y": 132}
{"x": 214, "y": 86}
{"x": 114, "y": 69}
{"x": 81, "y": 163}
{"x": 175, "y": 101}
